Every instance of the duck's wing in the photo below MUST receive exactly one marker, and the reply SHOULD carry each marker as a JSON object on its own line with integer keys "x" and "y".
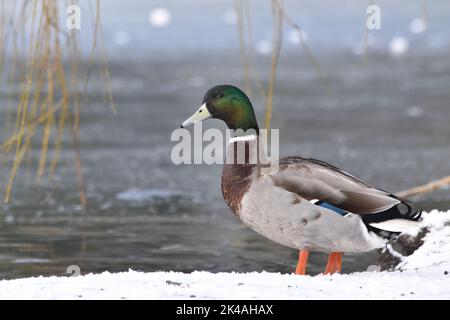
{"x": 315, "y": 179}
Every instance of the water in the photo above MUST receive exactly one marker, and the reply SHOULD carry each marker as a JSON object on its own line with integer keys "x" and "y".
{"x": 326, "y": 25}
{"x": 386, "y": 122}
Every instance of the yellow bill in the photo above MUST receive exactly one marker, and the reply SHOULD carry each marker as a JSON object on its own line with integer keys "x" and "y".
{"x": 201, "y": 114}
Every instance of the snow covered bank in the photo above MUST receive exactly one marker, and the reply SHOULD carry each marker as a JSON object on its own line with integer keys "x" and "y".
{"x": 205, "y": 285}
{"x": 423, "y": 275}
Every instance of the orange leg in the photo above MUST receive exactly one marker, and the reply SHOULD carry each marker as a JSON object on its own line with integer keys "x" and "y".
{"x": 334, "y": 263}
{"x": 339, "y": 262}
{"x": 302, "y": 260}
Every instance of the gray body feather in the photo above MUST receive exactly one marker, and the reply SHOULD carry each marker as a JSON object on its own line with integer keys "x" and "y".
{"x": 277, "y": 204}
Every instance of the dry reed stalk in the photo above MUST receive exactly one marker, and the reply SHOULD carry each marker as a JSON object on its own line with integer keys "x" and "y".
{"x": 425, "y": 188}
{"x": 242, "y": 8}
{"x": 46, "y": 105}
{"x": 247, "y": 50}
{"x": 277, "y": 40}
{"x": 312, "y": 59}
{"x": 239, "y": 8}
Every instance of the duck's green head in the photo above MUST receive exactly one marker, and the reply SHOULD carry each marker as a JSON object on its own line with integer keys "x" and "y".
{"x": 227, "y": 103}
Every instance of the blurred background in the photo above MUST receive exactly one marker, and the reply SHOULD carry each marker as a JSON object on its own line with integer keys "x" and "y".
{"x": 382, "y": 115}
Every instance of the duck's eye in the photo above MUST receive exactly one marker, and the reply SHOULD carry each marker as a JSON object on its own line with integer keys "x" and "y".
{"x": 200, "y": 111}
{"x": 220, "y": 95}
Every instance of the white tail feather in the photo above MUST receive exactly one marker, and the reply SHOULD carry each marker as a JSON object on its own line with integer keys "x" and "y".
{"x": 395, "y": 225}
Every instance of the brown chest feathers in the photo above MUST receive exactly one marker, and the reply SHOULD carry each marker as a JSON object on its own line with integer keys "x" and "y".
{"x": 236, "y": 180}
{"x": 238, "y": 172}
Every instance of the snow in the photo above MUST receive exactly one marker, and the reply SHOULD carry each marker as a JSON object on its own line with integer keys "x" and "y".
{"x": 417, "y": 26}
{"x": 230, "y": 17}
{"x": 121, "y": 38}
{"x": 264, "y": 47}
{"x": 423, "y": 275}
{"x": 434, "y": 254}
{"x": 159, "y": 17}
{"x": 398, "y": 46}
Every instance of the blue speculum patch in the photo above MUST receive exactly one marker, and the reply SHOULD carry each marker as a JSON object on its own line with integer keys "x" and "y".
{"x": 326, "y": 205}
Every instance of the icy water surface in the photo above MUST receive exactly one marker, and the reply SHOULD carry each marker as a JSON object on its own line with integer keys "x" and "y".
{"x": 386, "y": 122}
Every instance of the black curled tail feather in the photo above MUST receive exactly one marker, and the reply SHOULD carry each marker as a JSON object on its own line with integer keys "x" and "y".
{"x": 403, "y": 210}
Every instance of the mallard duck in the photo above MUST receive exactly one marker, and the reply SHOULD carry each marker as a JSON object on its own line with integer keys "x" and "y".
{"x": 306, "y": 204}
